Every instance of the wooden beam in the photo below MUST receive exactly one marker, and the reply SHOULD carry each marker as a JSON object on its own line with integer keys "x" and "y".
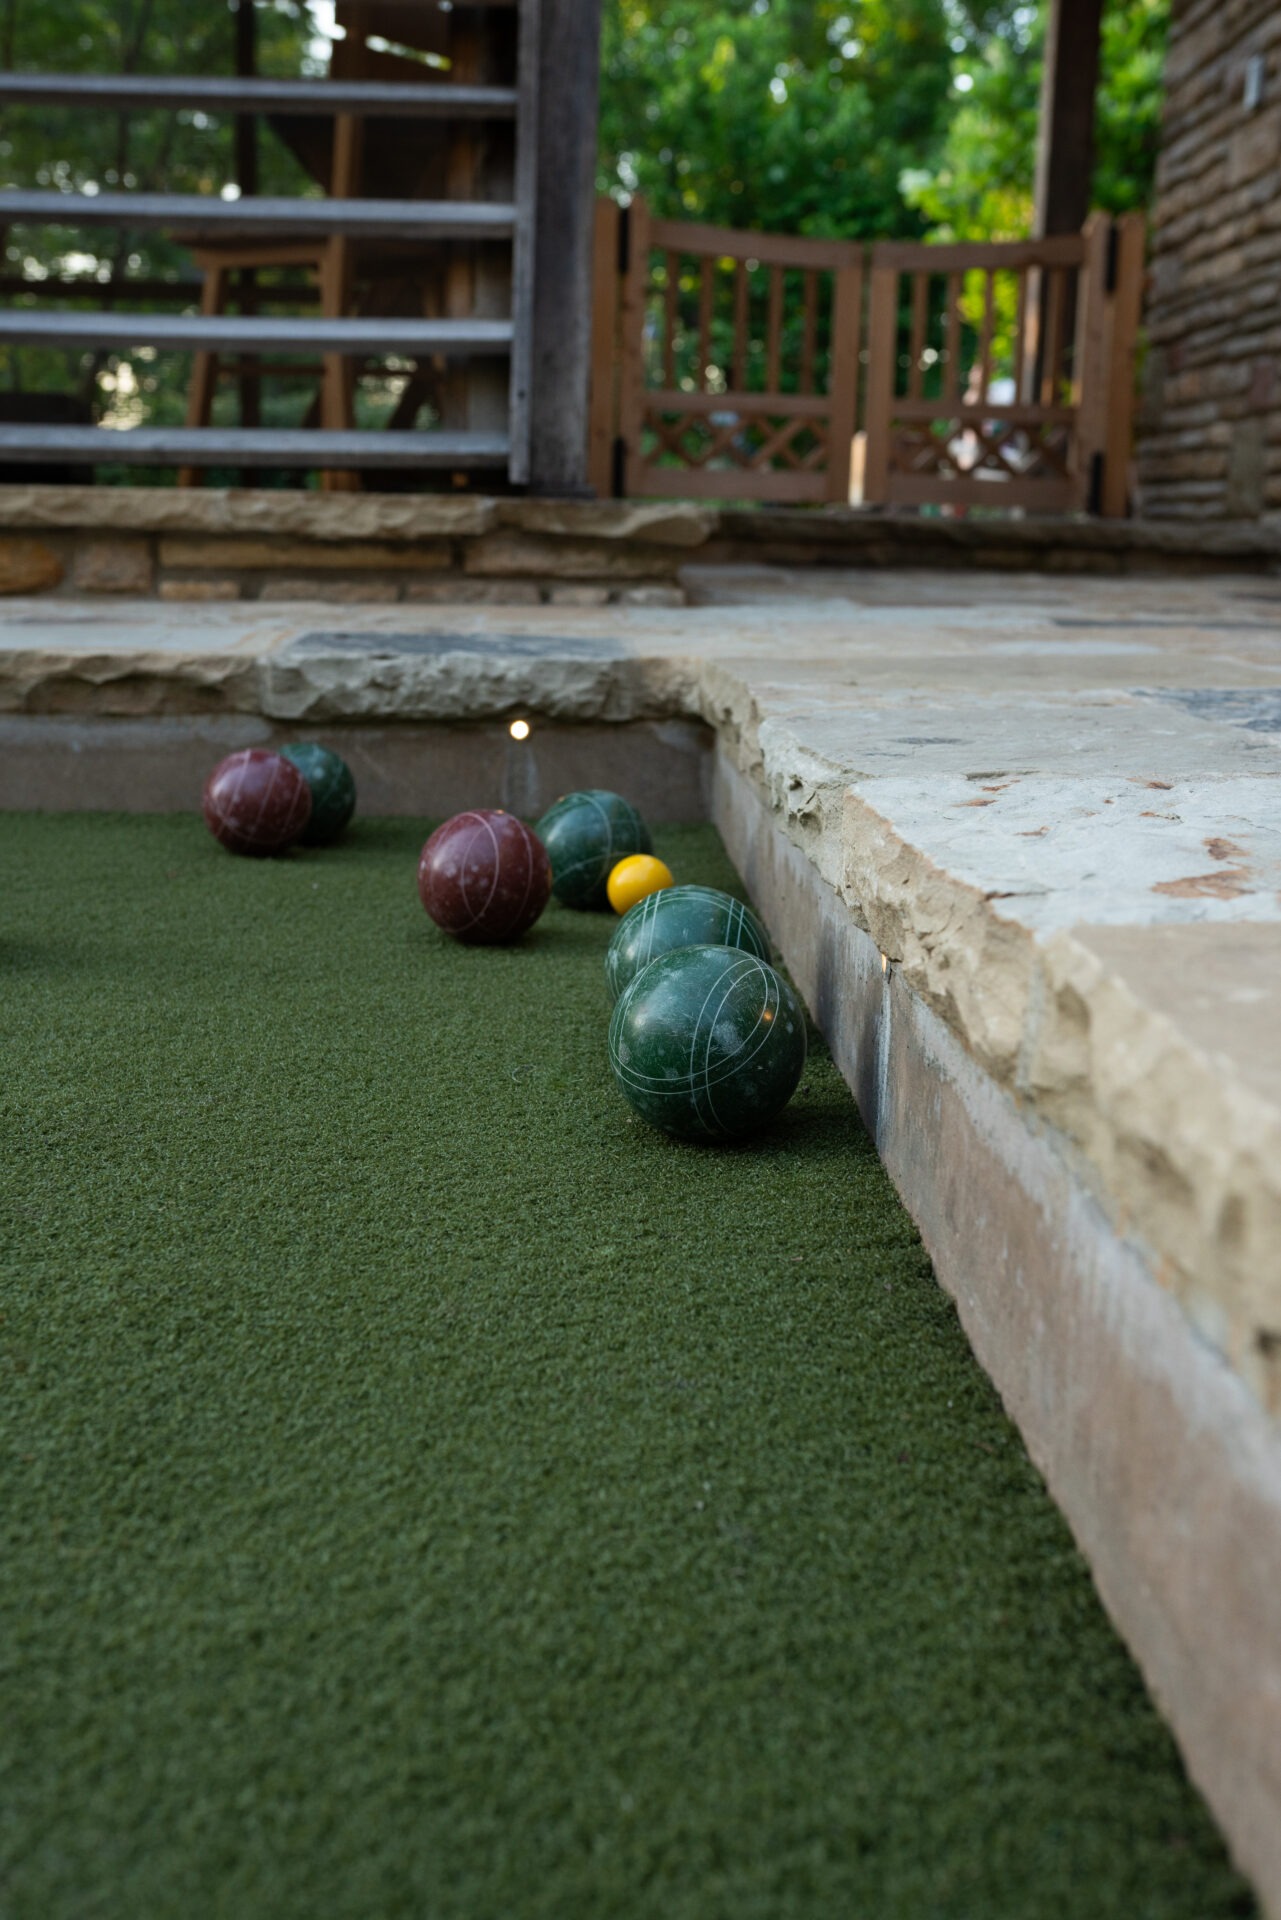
{"x": 237, "y": 447}
{"x": 740, "y": 243}
{"x": 529, "y": 133}
{"x": 252, "y": 333}
{"x": 603, "y": 401}
{"x": 1127, "y": 312}
{"x": 1091, "y": 374}
{"x": 963, "y": 256}
{"x": 200, "y": 214}
{"x": 1065, "y": 135}
{"x": 433, "y": 100}
{"x": 632, "y": 396}
{"x": 569, "y": 77}
{"x": 842, "y": 379}
{"x": 246, "y": 120}
{"x": 882, "y": 379}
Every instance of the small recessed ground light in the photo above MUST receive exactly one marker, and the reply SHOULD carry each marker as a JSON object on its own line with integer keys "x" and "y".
{"x": 885, "y": 963}
{"x": 519, "y": 729}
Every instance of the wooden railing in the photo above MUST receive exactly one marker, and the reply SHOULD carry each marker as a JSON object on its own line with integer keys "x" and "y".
{"x": 296, "y": 230}
{"x": 740, "y": 365}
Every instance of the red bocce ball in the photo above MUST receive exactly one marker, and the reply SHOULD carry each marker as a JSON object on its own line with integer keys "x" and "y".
{"x": 256, "y": 802}
{"x": 484, "y": 877}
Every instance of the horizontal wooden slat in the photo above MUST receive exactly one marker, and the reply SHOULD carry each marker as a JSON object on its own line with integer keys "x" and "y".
{"x": 727, "y": 483}
{"x": 229, "y": 333}
{"x": 801, "y": 406}
{"x": 1040, "y": 496}
{"x": 996, "y": 256}
{"x": 218, "y": 95}
{"x": 105, "y": 293}
{"x": 771, "y": 249}
{"x": 202, "y": 214}
{"x": 245, "y": 447}
{"x": 1022, "y": 415}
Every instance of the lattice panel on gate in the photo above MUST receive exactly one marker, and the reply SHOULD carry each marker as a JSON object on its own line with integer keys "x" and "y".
{"x": 740, "y": 365}
{"x": 984, "y": 386}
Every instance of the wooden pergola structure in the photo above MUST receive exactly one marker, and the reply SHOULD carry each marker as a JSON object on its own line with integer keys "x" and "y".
{"x": 499, "y": 153}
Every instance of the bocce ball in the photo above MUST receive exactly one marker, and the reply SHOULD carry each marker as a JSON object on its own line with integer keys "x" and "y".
{"x": 635, "y": 878}
{"x": 680, "y": 917}
{"x": 256, "y": 802}
{"x": 707, "y": 1043}
{"x": 484, "y": 877}
{"x": 333, "y": 791}
{"x": 586, "y": 834}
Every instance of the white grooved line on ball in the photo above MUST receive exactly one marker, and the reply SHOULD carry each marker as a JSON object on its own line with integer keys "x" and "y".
{"x": 741, "y": 965}
{"x": 232, "y": 813}
{"x": 733, "y": 1063}
{"x": 265, "y": 802}
{"x": 493, "y": 885}
{"x": 529, "y": 873}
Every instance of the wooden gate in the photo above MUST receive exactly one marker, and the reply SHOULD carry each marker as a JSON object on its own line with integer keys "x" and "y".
{"x": 1002, "y": 374}
{"x": 725, "y": 363}
{"x": 728, "y": 365}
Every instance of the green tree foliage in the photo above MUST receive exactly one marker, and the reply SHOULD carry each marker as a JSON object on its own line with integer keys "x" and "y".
{"x": 980, "y": 186}
{"x": 797, "y": 116}
{"x": 860, "y": 118}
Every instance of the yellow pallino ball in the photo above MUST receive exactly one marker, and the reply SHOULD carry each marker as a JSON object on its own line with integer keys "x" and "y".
{"x": 635, "y": 879}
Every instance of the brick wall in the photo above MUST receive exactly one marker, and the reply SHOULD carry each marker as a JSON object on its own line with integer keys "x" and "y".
{"x": 1209, "y": 436}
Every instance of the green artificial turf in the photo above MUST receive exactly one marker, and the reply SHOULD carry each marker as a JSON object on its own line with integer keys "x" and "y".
{"x": 428, "y": 1492}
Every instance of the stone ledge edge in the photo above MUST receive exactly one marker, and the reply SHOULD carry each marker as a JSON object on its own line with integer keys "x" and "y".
{"x": 1166, "y": 1469}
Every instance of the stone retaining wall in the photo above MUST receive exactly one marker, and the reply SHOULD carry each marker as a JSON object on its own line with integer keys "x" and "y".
{"x": 1210, "y": 429}
{"x": 198, "y": 546}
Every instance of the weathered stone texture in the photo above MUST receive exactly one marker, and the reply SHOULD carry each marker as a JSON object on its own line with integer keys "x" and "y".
{"x": 540, "y": 557}
{"x": 1214, "y": 305}
{"x": 342, "y": 591}
{"x": 112, "y": 566}
{"x": 255, "y": 555}
{"x": 199, "y": 590}
{"x": 452, "y": 591}
{"x": 28, "y": 566}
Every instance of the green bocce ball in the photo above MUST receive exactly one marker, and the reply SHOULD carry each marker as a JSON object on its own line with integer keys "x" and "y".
{"x": 708, "y": 1043}
{"x": 680, "y": 917}
{"x": 586, "y": 834}
{"x": 333, "y": 791}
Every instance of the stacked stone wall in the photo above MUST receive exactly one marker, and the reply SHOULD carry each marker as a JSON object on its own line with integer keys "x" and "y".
{"x": 1209, "y": 440}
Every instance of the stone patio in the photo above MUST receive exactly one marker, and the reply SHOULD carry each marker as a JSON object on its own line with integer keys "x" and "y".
{"x": 1018, "y": 837}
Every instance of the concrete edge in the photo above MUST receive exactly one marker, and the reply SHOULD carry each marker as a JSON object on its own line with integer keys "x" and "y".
{"x": 1166, "y": 1468}
{"x": 58, "y": 763}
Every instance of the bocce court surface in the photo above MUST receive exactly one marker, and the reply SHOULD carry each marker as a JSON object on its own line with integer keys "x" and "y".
{"x": 429, "y": 1492}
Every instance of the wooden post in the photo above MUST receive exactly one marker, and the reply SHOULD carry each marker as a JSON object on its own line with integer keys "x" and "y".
{"x": 338, "y": 376}
{"x": 337, "y": 381}
{"x": 631, "y": 359}
{"x": 569, "y": 74}
{"x": 1065, "y": 133}
{"x": 250, "y": 383}
{"x": 882, "y": 371}
{"x": 602, "y": 402}
{"x": 1090, "y": 382}
{"x": 1127, "y": 308}
{"x": 842, "y": 379}
{"x": 204, "y": 371}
